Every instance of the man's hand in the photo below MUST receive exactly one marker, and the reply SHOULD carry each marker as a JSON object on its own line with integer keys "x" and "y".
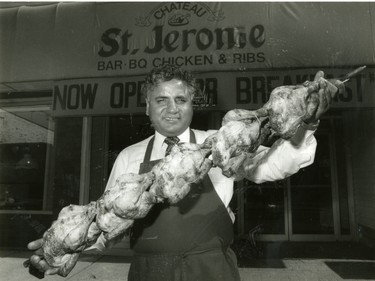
{"x": 38, "y": 266}
{"x": 289, "y": 106}
{"x": 320, "y": 95}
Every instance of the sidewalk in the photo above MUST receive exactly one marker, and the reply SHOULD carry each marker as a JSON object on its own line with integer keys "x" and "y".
{"x": 115, "y": 268}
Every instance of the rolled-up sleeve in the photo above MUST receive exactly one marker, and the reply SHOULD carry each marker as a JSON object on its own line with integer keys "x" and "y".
{"x": 119, "y": 167}
{"x": 284, "y": 158}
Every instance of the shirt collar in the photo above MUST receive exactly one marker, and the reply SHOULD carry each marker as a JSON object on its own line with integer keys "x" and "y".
{"x": 159, "y": 138}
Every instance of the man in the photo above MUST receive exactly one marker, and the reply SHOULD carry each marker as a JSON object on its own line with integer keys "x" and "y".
{"x": 190, "y": 240}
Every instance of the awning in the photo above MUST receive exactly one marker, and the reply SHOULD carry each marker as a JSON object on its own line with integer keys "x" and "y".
{"x": 86, "y": 40}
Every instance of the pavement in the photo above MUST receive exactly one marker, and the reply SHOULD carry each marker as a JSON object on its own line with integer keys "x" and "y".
{"x": 275, "y": 262}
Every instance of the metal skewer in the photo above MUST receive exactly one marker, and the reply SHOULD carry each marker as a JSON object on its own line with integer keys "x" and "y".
{"x": 352, "y": 73}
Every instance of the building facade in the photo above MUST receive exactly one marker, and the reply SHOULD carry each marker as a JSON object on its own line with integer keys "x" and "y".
{"x": 70, "y": 101}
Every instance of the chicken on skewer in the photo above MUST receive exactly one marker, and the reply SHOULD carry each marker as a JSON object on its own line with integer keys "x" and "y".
{"x": 231, "y": 146}
{"x": 186, "y": 164}
{"x": 130, "y": 198}
{"x": 289, "y": 106}
{"x": 124, "y": 202}
{"x": 68, "y": 236}
{"x": 231, "y": 143}
{"x": 76, "y": 227}
{"x": 243, "y": 130}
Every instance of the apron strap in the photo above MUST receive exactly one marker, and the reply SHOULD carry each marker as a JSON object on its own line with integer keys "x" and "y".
{"x": 192, "y": 137}
{"x": 149, "y": 150}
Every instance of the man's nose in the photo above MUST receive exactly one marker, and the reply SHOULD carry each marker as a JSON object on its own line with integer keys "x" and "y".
{"x": 172, "y": 107}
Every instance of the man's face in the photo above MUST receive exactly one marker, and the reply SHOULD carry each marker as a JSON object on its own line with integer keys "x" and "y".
{"x": 170, "y": 108}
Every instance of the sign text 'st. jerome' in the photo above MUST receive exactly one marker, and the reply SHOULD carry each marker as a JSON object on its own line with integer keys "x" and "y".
{"x": 116, "y": 41}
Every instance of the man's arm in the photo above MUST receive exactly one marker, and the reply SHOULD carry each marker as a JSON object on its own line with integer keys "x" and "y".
{"x": 287, "y": 157}
{"x": 283, "y": 159}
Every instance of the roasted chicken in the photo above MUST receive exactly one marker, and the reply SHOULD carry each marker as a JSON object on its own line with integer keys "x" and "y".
{"x": 186, "y": 164}
{"x": 127, "y": 200}
{"x": 289, "y": 106}
{"x": 111, "y": 224}
{"x": 231, "y": 143}
{"x": 69, "y": 235}
{"x": 243, "y": 130}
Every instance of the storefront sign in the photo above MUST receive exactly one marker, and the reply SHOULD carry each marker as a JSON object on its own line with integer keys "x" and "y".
{"x": 222, "y": 91}
{"x": 97, "y": 39}
{"x": 185, "y": 34}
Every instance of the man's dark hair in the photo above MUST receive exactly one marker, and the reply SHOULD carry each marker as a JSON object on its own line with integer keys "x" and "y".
{"x": 168, "y": 72}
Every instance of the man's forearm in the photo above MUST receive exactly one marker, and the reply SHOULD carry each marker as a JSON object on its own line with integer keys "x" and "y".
{"x": 283, "y": 159}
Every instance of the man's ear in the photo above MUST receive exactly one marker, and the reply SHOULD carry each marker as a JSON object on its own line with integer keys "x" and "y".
{"x": 147, "y": 106}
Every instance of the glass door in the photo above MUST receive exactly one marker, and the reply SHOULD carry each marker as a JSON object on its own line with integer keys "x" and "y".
{"x": 262, "y": 210}
{"x": 313, "y": 204}
{"x": 310, "y": 194}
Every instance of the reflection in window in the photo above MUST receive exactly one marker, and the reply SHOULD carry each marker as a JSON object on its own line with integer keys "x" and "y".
{"x": 67, "y": 162}
{"x": 25, "y": 137}
{"x": 264, "y": 206}
{"x": 311, "y": 193}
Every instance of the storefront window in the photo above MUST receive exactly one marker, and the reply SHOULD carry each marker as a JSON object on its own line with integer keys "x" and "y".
{"x": 309, "y": 203}
{"x": 126, "y": 130}
{"x": 311, "y": 194}
{"x": 25, "y": 141}
{"x": 66, "y": 171}
{"x": 26, "y": 144}
{"x": 341, "y": 148}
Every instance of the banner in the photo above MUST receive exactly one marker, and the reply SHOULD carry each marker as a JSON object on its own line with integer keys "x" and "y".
{"x": 222, "y": 91}
{"x": 102, "y": 39}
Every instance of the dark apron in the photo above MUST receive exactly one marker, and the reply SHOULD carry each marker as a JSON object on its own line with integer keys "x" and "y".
{"x": 186, "y": 241}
